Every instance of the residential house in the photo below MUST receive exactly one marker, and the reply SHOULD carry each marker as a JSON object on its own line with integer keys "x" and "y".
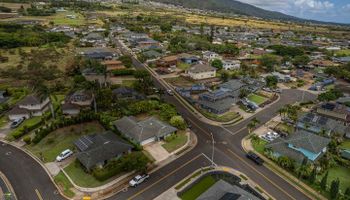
{"x": 201, "y": 71}
{"x": 218, "y": 101}
{"x": 321, "y": 63}
{"x": 223, "y": 190}
{"x": 125, "y": 93}
{"x": 231, "y": 64}
{"x": 321, "y": 125}
{"x": 96, "y": 150}
{"x": 148, "y": 42}
{"x": 81, "y": 98}
{"x": 151, "y": 54}
{"x": 145, "y": 131}
{"x": 234, "y": 86}
{"x": 70, "y": 109}
{"x": 188, "y": 58}
{"x": 113, "y": 65}
{"x": 167, "y": 62}
{"x": 209, "y": 55}
{"x": 299, "y": 145}
{"x": 335, "y": 111}
{"x": 31, "y": 105}
{"x": 99, "y": 54}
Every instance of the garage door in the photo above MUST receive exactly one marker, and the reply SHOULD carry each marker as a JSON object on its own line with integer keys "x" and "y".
{"x": 148, "y": 141}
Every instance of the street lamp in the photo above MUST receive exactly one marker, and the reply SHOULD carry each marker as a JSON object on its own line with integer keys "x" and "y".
{"x": 212, "y": 153}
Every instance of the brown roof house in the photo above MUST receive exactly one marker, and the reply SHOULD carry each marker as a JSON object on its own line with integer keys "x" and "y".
{"x": 75, "y": 102}
{"x": 113, "y": 65}
{"x": 31, "y": 105}
{"x": 168, "y": 61}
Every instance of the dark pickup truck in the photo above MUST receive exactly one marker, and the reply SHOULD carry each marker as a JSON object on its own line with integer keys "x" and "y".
{"x": 252, "y": 156}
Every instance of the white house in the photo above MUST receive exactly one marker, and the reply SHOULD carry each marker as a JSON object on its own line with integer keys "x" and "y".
{"x": 30, "y": 106}
{"x": 231, "y": 64}
{"x": 209, "y": 55}
{"x": 201, "y": 71}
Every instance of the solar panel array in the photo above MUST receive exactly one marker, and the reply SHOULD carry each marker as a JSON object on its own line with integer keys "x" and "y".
{"x": 84, "y": 142}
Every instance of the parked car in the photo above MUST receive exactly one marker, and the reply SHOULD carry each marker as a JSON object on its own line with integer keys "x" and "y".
{"x": 138, "y": 180}
{"x": 252, "y": 156}
{"x": 170, "y": 92}
{"x": 17, "y": 122}
{"x": 65, "y": 154}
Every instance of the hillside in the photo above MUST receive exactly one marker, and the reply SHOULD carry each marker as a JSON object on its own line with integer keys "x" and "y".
{"x": 231, "y": 6}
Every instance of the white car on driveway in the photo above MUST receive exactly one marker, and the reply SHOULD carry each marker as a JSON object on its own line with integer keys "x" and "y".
{"x": 138, "y": 180}
{"x": 65, "y": 154}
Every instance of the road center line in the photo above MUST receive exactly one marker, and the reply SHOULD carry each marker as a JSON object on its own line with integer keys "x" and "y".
{"x": 164, "y": 177}
{"x": 38, "y": 194}
{"x": 249, "y": 165}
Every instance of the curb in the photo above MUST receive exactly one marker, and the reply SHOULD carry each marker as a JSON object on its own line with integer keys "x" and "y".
{"x": 282, "y": 173}
{"x": 42, "y": 165}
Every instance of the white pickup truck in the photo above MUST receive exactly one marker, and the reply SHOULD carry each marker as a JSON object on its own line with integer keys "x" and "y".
{"x": 138, "y": 180}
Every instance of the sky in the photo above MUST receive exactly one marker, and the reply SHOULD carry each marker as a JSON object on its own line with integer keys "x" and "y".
{"x": 323, "y": 10}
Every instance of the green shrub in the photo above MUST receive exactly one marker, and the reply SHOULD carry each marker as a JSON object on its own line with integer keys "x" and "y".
{"x": 27, "y": 139}
{"x": 123, "y": 72}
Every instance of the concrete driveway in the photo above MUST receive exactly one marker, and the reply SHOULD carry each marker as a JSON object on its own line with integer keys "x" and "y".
{"x": 157, "y": 151}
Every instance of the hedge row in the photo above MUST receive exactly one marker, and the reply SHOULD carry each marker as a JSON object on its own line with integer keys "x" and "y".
{"x": 26, "y": 129}
{"x": 123, "y": 72}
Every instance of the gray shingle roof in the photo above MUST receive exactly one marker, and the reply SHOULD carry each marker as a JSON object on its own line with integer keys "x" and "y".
{"x": 223, "y": 104}
{"x": 31, "y": 99}
{"x": 143, "y": 130}
{"x": 221, "y": 189}
{"x": 98, "y": 148}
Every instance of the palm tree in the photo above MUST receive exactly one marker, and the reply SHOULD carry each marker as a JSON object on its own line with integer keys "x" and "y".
{"x": 252, "y": 124}
{"x": 44, "y": 92}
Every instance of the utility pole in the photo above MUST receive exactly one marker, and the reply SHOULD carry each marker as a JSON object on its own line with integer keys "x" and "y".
{"x": 212, "y": 153}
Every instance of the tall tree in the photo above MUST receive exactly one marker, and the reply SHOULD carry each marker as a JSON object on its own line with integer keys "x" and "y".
{"x": 323, "y": 183}
{"x": 334, "y": 191}
{"x": 313, "y": 175}
{"x": 252, "y": 124}
{"x": 44, "y": 92}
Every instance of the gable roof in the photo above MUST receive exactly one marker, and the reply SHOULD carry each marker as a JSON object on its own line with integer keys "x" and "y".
{"x": 98, "y": 148}
{"x": 143, "y": 130}
{"x": 233, "y": 85}
{"x": 31, "y": 100}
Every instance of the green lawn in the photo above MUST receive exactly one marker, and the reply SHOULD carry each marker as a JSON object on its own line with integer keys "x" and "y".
{"x": 3, "y": 121}
{"x": 62, "y": 139}
{"x": 128, "y": 83}
{"x": 342, "y": 173}
{"x": 63, "y": 182}
{"x": 226, "y": 117}
{"x": 257, "y": 99}
{"x": 344, "y": 52}
{"x": 259, "y": 145}
{"x": 76, "y": 172}
{"x": 27, "y": 123}
{"x": 176, "y": 142}
{"x": 183, "y": 66}
{"x": 285, "y": 128}
{"x": 198, "y": 188}
{"x": 345, "y": 144}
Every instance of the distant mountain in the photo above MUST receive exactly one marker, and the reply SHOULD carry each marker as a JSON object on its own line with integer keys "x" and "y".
{"x": 231, "y": 6}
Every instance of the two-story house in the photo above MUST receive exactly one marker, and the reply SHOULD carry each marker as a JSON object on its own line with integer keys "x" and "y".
{"x": 209, "y": 56}
{"x": 231, "y": 64}
{"x": 201, "y": 71}
{"x": 77, "y": 101}
{"x": 31, "y": 105}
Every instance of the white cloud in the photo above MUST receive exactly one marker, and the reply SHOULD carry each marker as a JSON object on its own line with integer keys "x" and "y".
{"x": 313, "y": 5}
{"x": 346, "y": 7}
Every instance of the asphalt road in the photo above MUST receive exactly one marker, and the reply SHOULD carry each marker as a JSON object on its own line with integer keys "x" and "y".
{"x": 28, "y": 179}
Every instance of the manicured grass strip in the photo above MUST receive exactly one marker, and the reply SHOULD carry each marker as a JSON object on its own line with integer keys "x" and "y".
{"x": 65, "y": 184}
{"x": 198, "y": 188}
{"x": 76, "y": 172}
{"x": 259, "y": 145}
{"x": 257, "y": 99}
{"x": 345, "y": 144}
{"x": 178, "y": 141}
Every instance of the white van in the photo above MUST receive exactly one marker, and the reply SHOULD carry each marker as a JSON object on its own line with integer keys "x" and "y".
{"x": 65, "y": 154}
